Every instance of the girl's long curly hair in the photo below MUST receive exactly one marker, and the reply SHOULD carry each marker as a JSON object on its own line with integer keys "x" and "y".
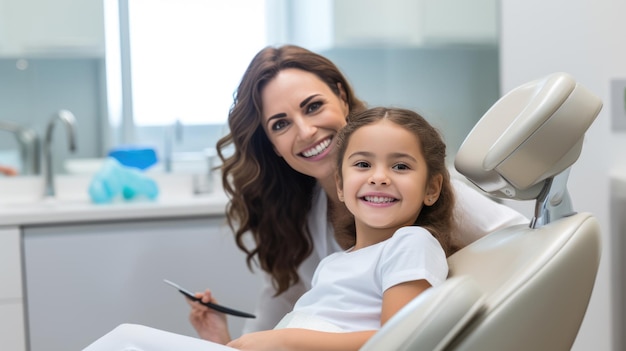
{"x": 268, "y": 198}
{"x": 437, "y": 218}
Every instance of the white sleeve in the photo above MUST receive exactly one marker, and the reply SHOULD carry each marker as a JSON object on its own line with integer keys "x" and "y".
{"x": 412, "y": 253}
{"x": 477, "y": 215}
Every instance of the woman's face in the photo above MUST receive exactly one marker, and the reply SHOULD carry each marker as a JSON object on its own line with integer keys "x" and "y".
{"x": 301, "y": 116}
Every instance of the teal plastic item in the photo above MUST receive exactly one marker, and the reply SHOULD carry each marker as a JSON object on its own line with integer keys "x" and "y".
{"x": 141, "y": 157}
{"x": 114, "y": 179}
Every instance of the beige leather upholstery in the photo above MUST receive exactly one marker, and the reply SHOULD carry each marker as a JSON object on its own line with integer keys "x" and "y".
{"x": 535, "y": 279}
{"x": 537, "y": 284}
{"x": 532, "y": 133}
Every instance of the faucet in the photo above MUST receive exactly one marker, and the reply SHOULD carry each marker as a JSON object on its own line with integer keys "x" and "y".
{"x": 173, "y": 134}
{"x": 69, "y": 120}
{"x": 28, "y": 141}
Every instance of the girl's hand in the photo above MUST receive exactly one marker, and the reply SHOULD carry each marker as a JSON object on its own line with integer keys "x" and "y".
{"x": 209, "y": 324}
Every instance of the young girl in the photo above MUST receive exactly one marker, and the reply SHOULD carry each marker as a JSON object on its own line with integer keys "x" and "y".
{"x": 392, "y": 177}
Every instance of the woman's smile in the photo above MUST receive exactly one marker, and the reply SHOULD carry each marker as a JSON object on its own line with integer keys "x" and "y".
{"x": 319, "y": 150}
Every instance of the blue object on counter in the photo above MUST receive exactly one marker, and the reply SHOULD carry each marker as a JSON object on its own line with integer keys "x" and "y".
{"x": 140, "y": 157}
{"x": 114, "y": 179}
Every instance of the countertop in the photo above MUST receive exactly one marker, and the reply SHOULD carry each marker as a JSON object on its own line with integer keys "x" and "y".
{"x": 22, "y": 205}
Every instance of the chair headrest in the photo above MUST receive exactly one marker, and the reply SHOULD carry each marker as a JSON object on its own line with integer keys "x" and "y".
{"x": 532, "y": 133}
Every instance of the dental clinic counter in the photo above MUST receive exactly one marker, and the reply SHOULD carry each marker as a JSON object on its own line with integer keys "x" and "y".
{"x": 58, "y": 256}
{"x": 21, "y": 202}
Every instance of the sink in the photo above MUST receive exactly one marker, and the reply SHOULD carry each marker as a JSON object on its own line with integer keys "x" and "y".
{"x": 22, "y": 201}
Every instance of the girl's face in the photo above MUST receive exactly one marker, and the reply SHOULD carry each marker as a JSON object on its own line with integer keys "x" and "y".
{"x": 385, "y": 178}
{"x": 301, "y": 116}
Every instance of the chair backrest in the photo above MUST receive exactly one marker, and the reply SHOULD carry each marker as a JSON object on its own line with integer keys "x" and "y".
{"x": 535, "y": 280}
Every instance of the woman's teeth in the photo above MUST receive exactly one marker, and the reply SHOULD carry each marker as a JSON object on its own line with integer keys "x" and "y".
{"x": 379, "y": 199}
{"x": 317, "y": 149}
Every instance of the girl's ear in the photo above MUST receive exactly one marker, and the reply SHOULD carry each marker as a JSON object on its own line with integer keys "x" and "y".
{"x": 339, "y": 184}
{"x": 433, "y": 190}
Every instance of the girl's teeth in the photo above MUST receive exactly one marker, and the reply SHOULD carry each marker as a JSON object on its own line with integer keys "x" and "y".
{"x": 378, "y": 199}
{"x": 317, "y": 150}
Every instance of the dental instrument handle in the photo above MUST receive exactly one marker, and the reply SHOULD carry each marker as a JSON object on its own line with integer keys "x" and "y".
{"x": 211, "y": 305}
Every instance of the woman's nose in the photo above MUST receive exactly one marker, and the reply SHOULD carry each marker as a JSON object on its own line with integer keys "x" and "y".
{"x": 306, "y": 129}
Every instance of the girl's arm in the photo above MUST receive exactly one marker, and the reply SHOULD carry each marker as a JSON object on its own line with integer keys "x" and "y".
{"x": 399, "y": 295}
{"x": 294, "y": 339}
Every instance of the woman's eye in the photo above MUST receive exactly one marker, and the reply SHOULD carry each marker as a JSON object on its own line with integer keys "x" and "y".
{"x": 280, "y": 124}
{"x": 314, "y": 106}
{"x": 401, "y": 167}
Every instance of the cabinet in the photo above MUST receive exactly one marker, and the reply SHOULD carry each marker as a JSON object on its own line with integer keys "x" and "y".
{"x": 324, "y": 24}
{"x": 51, "y": 28}
{"x": 84, "y": 280}
{"x": 12, "y": 335}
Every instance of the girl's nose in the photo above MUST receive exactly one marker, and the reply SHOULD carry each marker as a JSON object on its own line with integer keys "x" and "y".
{"x": 379, "y": 176}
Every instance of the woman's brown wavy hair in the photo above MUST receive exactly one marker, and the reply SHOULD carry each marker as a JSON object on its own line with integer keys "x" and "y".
{"x": 437, "y": 218}
{"x": 268, "y": 198}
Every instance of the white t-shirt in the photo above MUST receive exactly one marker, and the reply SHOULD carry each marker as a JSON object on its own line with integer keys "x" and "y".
{"x": 476, "y": 215}
{"x": 348, "y": 286}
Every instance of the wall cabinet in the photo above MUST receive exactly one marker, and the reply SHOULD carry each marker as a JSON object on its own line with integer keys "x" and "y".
{"x": 320, "y": 25}
{"x": 82, "y": 280}
{"x": 51, "y": 28}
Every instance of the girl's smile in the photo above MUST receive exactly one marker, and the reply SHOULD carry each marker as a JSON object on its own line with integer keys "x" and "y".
{"x": 379, "y": 199}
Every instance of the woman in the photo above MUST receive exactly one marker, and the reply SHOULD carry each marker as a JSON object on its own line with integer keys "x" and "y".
{"x": 288, "y": 108}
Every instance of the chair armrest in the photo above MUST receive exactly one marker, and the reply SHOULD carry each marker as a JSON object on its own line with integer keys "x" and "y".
{"x": 432, "y": 319}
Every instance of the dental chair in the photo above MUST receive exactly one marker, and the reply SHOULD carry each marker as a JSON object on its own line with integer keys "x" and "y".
{"x": 524, "y": 287}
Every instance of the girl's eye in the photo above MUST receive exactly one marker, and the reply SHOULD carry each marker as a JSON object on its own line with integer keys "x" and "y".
{"x": 362, "y": 164}
{"x": 314, "y": 106}
{"x": 401, "y": 167}
{"x": 280, "y": 124}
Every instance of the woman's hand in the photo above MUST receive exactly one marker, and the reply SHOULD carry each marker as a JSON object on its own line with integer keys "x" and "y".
{"x": 209, "y": 324}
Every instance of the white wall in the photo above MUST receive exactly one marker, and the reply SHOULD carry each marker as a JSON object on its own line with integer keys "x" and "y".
{"x": 586, "y": 39}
